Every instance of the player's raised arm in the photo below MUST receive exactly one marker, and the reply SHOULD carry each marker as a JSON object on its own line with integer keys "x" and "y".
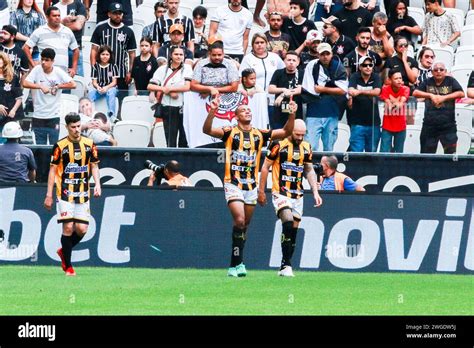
{"x": 313, "y": 182}
{"x": 288, "y": 128}
{"x": 262, "y": 198}
{"x": 207, "y": 127}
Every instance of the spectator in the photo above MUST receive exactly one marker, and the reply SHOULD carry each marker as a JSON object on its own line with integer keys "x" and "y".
{"x": 17, "y": 163}
{"x": 121, "y": 39}
{"x": 144, "y": 67}
{"x": 264, "y": 63}
{"x": 103, "y": 9}
{"x": 351, "y": 61}
{"x": 176, "y": 35}
{"x": 4, "y": 13}
{"x": 314, "y": 39}
{"x": 27, "y": 18}
{"x": 160, "y": 10}
{"x": 56, "y": 36}
{"x": 426, "y": 58}
{"x": 395, "y": 95}
{"x": 99, "y": 130}
{"x": 104, "y": 80}
{"x": 233, "y": 22}
{"x": 286, "y": 83}
{"x": 248, "y": 85}
{"x": 215, "y": 74}
{"x": 400, "y": 23}
{"x": 10, "y": 93}
{"x": 373, "y": 6}
{"x": 381, "y": 41}
{"x": 15, "y": 53}
{"x": 326, "y": 82}
{"x": 327, "y": 8}
{"x": 162, "y": 33}
{"x": 363, "y": 110}
{"x": 278, "y": 42}
{"x": 280, "y": 6}
{"x": 87, "y": 112}
{"x": 47, "y": 82}
{"x": 332, "y": 180}
{"x": 439, "y": 123}
{"x": 441, "y": 27}
{"x": 73, "y": 16}
{"x": 341, "y": 44}
{"x": 172, "y": 176}
{"x": 297, "y": 26}
{"x": 170, "y": 82}
{"x": 201, "y": 33}
{"x": 353, "y": 16}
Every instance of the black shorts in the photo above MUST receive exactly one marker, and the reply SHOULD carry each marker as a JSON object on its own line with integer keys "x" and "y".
{"x": 430, "y": 136}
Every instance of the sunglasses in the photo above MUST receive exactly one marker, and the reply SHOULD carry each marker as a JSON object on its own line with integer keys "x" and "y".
{"x": 403, "y": 45}
{"x": 439, "y": 70}
{"x": 325, "y": 26}
{"x": 428, "y": 56}
{"x": 370, "y": 65}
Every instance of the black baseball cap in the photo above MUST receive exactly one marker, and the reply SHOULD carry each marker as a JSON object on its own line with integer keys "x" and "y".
{"x": 10, "y": 29}
{"x": 115, "y": 7}
{"x": 334, "y": 21}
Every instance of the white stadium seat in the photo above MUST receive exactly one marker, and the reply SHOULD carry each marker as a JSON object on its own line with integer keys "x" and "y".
{"x": 89, "y": 28}
{"x": 418, "y": 15}
{"x": 69, "y": 103}
{"x": 146, "y": 13}
{"x": 467, "y": 35}
{"x": 464, "y": 55}
{"x": 461, "y": 74}
{"x": 463, "y": 5}
{"x": 470, "y": 18}
{"x": 100, "y": 105}
{"x": 444, "y": 54}
{"x": 132, "y": 133}
{"x": 137, "y": 108}
{"x": 81, "y": 87}
{"x": 159, "y": 139}
{"x": 414, "y": 3}
{"x": 464, "y": 116}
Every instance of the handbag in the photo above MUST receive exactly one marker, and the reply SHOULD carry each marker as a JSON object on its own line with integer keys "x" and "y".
{"x": 158, "y": 107}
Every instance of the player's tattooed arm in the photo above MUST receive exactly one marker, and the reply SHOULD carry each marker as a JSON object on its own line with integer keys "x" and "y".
{"x": 262, "y": 199}
{"x": 313, "y": 182}
{"x": 207, "y": 127}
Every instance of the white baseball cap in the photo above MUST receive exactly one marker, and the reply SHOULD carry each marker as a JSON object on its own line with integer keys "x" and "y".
{"x": 314, "y": 35}
{"x": 12, "y": 130}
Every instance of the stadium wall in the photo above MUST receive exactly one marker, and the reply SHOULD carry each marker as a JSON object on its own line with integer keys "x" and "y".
{"x": 156, "y": 228}
{"x": 205, "y": 167}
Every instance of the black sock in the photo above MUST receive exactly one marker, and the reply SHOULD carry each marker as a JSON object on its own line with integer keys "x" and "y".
{"x": 286, "y": 243}
{"x": 238, "y": 243}
{"x": 66, "y": 243}
{"x": 76, "y": 239}
{"x": 294, "y": 230}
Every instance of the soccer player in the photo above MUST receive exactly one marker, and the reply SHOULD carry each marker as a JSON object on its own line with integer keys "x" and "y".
{"x": 290, "y": 159}
{"x": 74, "y": 158}
{"x": 243, "y": 145}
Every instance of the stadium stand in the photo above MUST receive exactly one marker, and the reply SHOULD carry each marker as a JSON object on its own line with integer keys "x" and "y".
{"x": 132, "y": 133}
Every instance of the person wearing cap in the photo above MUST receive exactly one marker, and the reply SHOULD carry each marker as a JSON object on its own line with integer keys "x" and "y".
{"x": 313, "y": 39}
{"x": 17, "y": 163}
{"x": 278, "y": 42}
{"x": 297, "y": 26}
{"x": 353, "y": 16}
{"x": 103, "y": 8}
{"x": 439, "y": 123}
{"x": 233, "y": 22}
{"x": 14, "y": 52}
{"x": 363, "y": 111}
{"x": 324, "y": 89}
{"x": 121, "y": 39}
{"x": 176, "y": 39}
{"x": 351, "y": 61}
{"x": 340, "y": 43}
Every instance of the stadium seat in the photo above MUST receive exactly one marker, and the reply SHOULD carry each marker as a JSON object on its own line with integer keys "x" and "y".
{"x": 137, "y": 28}
{"x": 93, "y": 12}
{"x": 418, "y": 15}
{"x": 461, "y": 74}
{"x": 86, "y": 48}
{"x": 444, "y": 54}
{"x": 464, "y": 55}
{"x": 343, "y": 136}
{"x": 463, "y": 5}
{"x": 100, "y": 105}
{"x": 415, "y": 3}
{"x": 69, "y": 103}
{"x": 465, "y": 116}
{"x": 470, "y": 18}
{"x": 467, "y": 35}
{"x": 420, "y": 113}
{"x": 87, "y": 70}
{"x": 89, "y": 28}
{"x": 459, "y": 14}
{"x": 412, "y": 140}
{"x": 463, "y": 144}
{"x": 159, "y": 139}
{"x": 132, "y": 133}
{"x": 137, "y": 108}
{"x": 186, "y": 10}
{"x": 81, "y": 87}
{"x": 146, "y": 13}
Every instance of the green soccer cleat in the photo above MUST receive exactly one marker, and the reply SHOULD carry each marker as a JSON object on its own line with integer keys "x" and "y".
{"x": 232, "y": 272}
{"x": 241, "y": 271}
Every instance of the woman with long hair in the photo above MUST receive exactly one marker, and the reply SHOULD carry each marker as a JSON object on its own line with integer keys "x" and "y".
{"x": 169, "y": 83}
{"x": 426, "y": 57}
{"x": 10, "y": 93}
{"x": 400, "y": 23}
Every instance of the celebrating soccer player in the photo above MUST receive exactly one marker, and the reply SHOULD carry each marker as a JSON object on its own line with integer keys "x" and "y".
{"x": 289, "y": 159}
{"x": 74, "y": 158}
{"x": 243, "y": 145}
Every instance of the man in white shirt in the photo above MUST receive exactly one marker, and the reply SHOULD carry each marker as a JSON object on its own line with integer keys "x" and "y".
{"x": 233, "y": 22}
{"x": 47, "y": 82}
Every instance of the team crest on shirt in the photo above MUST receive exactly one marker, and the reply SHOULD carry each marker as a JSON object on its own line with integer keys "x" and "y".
{"x": 148, "y": 67}
{"x": 7, "y": 87}
{"x": 77, "y": 156}
{"x": 296, "y": 156}
{"x": 229, "y": 103}
{"x": 340, "y": 49}
{"x": 305, "y": 30}
{"x": 247, "y": 145}
{"x": 359, "y": 20}
{"x": 121, "y": 37}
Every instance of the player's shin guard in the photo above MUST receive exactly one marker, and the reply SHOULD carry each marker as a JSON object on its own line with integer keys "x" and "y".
{"x": 286, "y": 243}
{"x": 76, "y": 238}
{"x": 238, "y": 243}
{"x": 294, "y": 230}
{"x": 66, "y": 243}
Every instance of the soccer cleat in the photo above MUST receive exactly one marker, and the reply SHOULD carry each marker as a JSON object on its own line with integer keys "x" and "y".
{"x": 286, "y": 271}
{"x": 232, "y": 272}
{"x": 70, "y": 272}
{"x": 241, "y": 271}
{"x": 61, "y": 256}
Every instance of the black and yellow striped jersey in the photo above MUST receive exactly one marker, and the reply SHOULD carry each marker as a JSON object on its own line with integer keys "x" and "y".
{"x": 243, "y": 151}
{"x": 73, "y": 160}
{"x": 288, "y": 166}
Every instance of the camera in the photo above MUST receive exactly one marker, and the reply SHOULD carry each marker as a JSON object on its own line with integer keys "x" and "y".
{"x": 318, "y": 169}
{"x": 157, "y": 168}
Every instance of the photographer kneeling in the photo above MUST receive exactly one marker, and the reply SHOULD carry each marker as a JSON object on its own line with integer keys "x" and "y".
{"x": 169, "y": 172}
{"x": 332, "y": 180}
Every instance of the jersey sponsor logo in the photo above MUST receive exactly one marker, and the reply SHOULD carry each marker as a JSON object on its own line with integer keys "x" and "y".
{"x": 243, "y": 156}
{"x": 76, "y": 194}
{"x": 245, "y": 181}
{"x": 290, "y": 178}
{"x": 75, "y": 168}
{"x": 291, "y": 166}
{"x": 75, "y": 181}
{"x": 245, "y": 169}
{"x": 229, "y": 103}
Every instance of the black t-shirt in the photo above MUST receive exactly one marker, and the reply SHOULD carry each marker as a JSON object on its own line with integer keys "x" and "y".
{"x": 365, "y": 109}
{"x": 103, "y": 8}
{"x": 297, "y": 32}
{"x": 352, "y": 20}
{"x": 305, "y": 58}
{"x": 352, "y": 60}
{"x": 443, "y": 117}
{"x": 342, "y": 47}
{"x": 77, "y": 8}
{"x": 143, "y": 71}
{"x": 470, "y": 83}
{"x": 282, "y": 79}
{"x": 396, "y": 63}
{"x": 394, "y": 23}
{"x": 9, "y": 93}
{"x": 279, "y": 44}
{"x": 17, "y": 58}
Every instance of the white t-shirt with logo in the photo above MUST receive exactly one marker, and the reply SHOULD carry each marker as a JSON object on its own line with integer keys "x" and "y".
{"x": 232, "y": 26}
{"x": 179, "y": 79}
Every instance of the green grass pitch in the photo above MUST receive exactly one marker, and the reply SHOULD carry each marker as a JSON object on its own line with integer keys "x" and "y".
{"x": 39, "y": 290}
